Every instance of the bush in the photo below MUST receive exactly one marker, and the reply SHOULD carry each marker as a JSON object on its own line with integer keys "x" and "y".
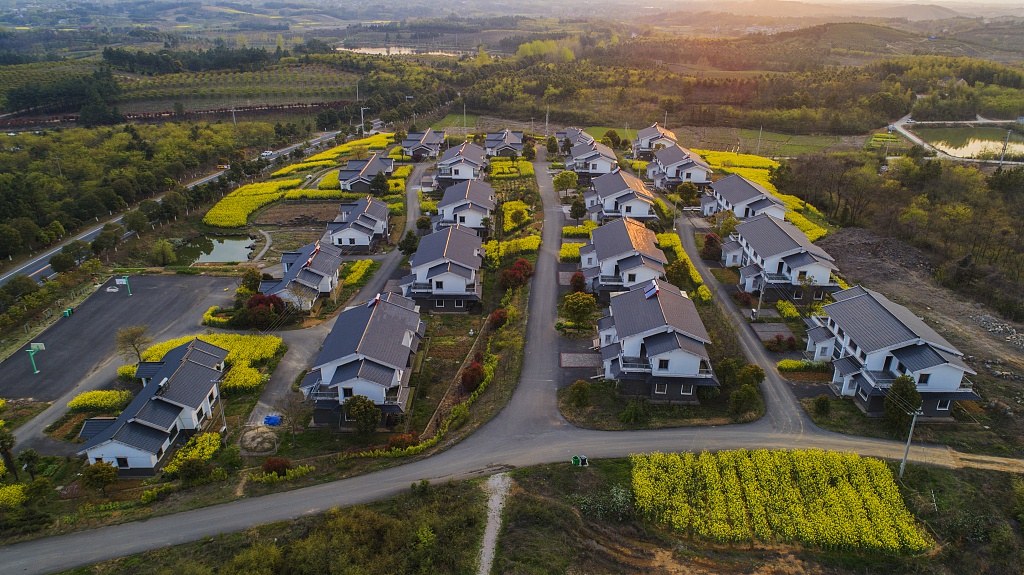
{"x": 743, "y": 400}
{"x": 112, "y": 400}
{"x": 579, "y": 393}
{"x": 581, "y": 231}
{"x": 210, "y": 318}
{"x": 499, "y": 317}
{"x": 822, "y": 406}
{"x": 471, "y": 377}
{"x": 779, "y": 344}
{"x": 201, "y": 447}
{"x": 276, "y": 465}
{"x": 712, "y": 249}
{"x": 578, "y": 283}
{"x": 126, "y": 373}
{"x": 744, "y": 299}
{"x": 12, "y": 496}
{"x": 404, "y": 440}
{"x": 787, "y": 310}
{"x": 569, "y": 252}
{"x": 636, "y": 412}
{"x": 790, "y": 365}
{"x": 270, "y": 478}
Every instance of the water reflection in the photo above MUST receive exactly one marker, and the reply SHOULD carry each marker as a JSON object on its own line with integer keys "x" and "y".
{"x": 215, "y": 249}
{"x": 972, "y": 142}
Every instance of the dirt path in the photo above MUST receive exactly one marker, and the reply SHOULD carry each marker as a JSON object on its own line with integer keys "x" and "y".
{"x": 498, "y": 486}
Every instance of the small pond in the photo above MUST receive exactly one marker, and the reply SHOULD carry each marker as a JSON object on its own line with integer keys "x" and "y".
{"x": 214, "y": 249}
{"x": 986, "y": 143}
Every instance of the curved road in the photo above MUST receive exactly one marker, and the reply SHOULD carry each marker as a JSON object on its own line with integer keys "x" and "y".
{"x": 901, "y": 127}
{"x": 528, "y": 431}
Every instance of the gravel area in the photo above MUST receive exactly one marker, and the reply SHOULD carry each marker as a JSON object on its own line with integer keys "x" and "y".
{"x": 498, "y": 486}
{"x": 579, "y": 360}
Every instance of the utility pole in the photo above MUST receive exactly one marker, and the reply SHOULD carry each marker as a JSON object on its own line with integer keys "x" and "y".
{"x": 1005, "y": 144}
{"x": 759, "y": 131}
{"x": 362, "y": 121}
{"x": 357, "y": 90}
{"x": 547, "y": 115}
{"x": 665, "y": 125}
{"x": 760, "y": 295}
{"x": 465, "y": 129}
{"x": 233, "y": 121}
{"x": 909, "y": 435}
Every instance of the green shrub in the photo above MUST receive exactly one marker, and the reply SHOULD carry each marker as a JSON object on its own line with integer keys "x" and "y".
{"x": 789, "y": 365}
{"x": 743, "y": 400}
{"x": 787, "y": 310}
{"x": 636, "y": 412}
{"x": 110, "y": 400}
{"x": 579, "y": 393}
{"x": 822, "y": 406}
{"x": 126, "y": 373}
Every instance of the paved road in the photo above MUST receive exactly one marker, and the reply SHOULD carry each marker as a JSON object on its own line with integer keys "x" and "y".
{"x": 529, "y": 431}
{"x": 39, "y": 267}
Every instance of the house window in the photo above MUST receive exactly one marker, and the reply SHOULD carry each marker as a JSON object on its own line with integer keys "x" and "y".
{"x": 346, "y": 392}
{"x": 798, "y": 294}
{"x": 801, "y": 276}
{"x": 923, "y": 378}
{"x": 462, "y": 219}
{"x": 631, "y": 277}
{"x": 593, "y": 167}
{"x": 439, "y": 303}
{"x": 819, "y": 294}
{"x": 862, "y": 393}
{"x": 160, "y": 453}
{"x": 122, "y": 462}
{"x": 662, "y": 364}
{"x": 629, "y": 209}
{"x": 210, "y": 398}
{"x": 661, "y": 388}
{"x": 460, "y": 303}
{"x": 688, "y": 175}
{"x": 351, "y": 241}
{"x": 942, "y": 405}
{"x": 686, "y": 390}
{"x": 863, "y": 356}
{"x": 438, "y": 285}
{"x": 455, "y": 172}
{"x": 97, "y": 460}
{"x": 608, "y": 338}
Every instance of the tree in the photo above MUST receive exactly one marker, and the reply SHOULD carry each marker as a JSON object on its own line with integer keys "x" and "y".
{"x": 20, "y": 285}
{"x": 750, "y": 375}
{"x": 566, "y": 181}
{"x": 900, "y": 403}
{"x": 687, "y": 192}
{"x": 131, "y": 340}
{"x": 613, "y": 138}
{"x": 135, "y": 221}
{"x": 423, "y": 223}
{"x": 62, "y": 262}
{"x": 162, "y": 253}
{"x": 578, "y": 282}
{"x": 409, "y": 243}
{"x": 29, "y": 458}
{"x": 379, "y": 184}
{"x": 296, "y": 412}
{"x": 7, "y": 442}
{"x": 577, "y": 210}
{"x": 518, "y": 217}
{"x": 529, "y": 152}
{"x": 578, "y": 307}
{"x": 364, "y": 412}
{"x": 10, "y": 240}
{"x": 724, "y": 223}
{"x": 77, "y": 249}
{"x": 251, "y": 279}
{"x": 552, "y": 145}
{"x": 99, "y": 476}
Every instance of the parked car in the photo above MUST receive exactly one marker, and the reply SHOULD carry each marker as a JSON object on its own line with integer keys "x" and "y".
{"x": 266, "y": 154}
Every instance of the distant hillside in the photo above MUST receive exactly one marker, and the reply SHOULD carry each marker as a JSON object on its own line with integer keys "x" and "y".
{"x": 833, "y": 11}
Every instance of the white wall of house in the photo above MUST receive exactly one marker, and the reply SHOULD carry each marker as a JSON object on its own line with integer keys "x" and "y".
{"x": 469, "y": 218}
{"x": 359, "y": 386}
{"x": 350, "y": 237}
{"x": 634, "y": 208}
{"x": 110, "y": 451}
{"x": 680, "y": 364}
{"x": 597, "y": 165}
{"x": 639, "y": 275}
{"x": 460, "y": 170}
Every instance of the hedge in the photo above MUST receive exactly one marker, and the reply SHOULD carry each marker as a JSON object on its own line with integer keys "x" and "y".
{"x": 527, "y": 245}
{"x": 507, "y": 209}
{"x": 101, "y": 400}
{"x": 330, "y": 181}
{"x": 581, "y": 231}
{"x": 703, "y": 293}
{"x": 12, "y": 496}
{"x": 126, "y": 372}
{"x": 402, "y": 172}
{"x": 301, "y": 167}
{"x": 670, "y": 242}
{"x": 428, "y": 207}
{"x": 269, "y": 478}
{"x": 787, "y": 310}
{"x": 802, "y": 365}
{"x": 201, "y": 447}
{"x": 569, "y": 252}
{"x": 210, "y": 318}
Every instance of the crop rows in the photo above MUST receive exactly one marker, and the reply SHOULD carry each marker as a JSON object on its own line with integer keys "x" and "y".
{"x": 300, "y": 167}
{"x": 234, "y": 209}
{"x": 825, "y": 499}
{"x": 282, "y": 81}
{"x": 18, "y": 75}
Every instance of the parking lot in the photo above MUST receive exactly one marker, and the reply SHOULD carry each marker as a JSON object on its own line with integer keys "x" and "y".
{"x": 80, "y": 345}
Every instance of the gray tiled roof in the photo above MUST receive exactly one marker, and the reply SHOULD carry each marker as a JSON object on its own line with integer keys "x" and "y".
{"x": 470, "y": 207}
{"x": 303, "y": 279}
{"x": 504, "y": 138}
{"x": 770, "y": 236}
{"x": 799, "y": 259}
{"x": 366, "y": 169}
{"x": 672, "y": 155}
{"x": 377, "y": 373}
{"x": 625, "y": 235}
{"x": 875, "y": 322}
{"x": 141, "y": 437}
{"x": 449, "y": 267}
{"x": 618, "y": 182}
{"x": 611, "y": 350}
{"x": 455, "y": 243}
{"x": 660, "y": 343}
{"x": 479, "y": 193}
{"x": 654, "y": 131}
{"x": 765, "y": 203}
{"x": 374, "y": 331}
{"x": 159, "y": 414}
{"x": 148, "y": 369}
{"x": 918, "y": 357}
{"x": 190, "y": 385}
{"x": 575, "y": 136}
{"x": 637, "y": 261}
{"x": 737, "y": 190}
{"x": 635, "y": 313}
{"x": 468, "y": 151}
{"x": 591, "y": 150}
{"x": 847, "y": 366}
{"x": 819, "y": 334}
{"x": 430, "y": 138}
{"x": 93, "y": 426}
{"x": 731, "y": 246}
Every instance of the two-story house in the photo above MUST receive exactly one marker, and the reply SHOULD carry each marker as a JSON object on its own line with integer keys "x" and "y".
{"x": 504, "y": 143}
{"x": 180, "y": 397}
{"x": 651, "y": 139}
{"x": 569, "y": 138}
{"x": 674, "y": 165}
{"x": 591, "y": 160}
{"x": 358, "y": 174}
{"x": 774, "y": 254}
{"x": 466, "y": 204}
{"x": 653, "y": 343}
{"x": 309, "y": 273}
{"x": 620, "y": 255}
{"x": 419, "y": 145}
{"x": 464, "y": 162}
{"x": 872, "y": 341}
{"x": 619, "y": 194}
{"x": 745, "y": 199}
{"x": 360, "y": 226}
{"x": 368, "y": 352}
{"x": 446, "y": 269}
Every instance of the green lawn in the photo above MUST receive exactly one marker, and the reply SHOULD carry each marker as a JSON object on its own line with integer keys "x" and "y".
{"x": 598, "y": 132}
{"x": 455, "y": 121}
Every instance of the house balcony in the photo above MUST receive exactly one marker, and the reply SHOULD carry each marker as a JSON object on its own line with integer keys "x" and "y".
{"x": 441, "y": 224}
{"x": 636, "y": 364}
{"x": 880, "y": 379}
{"x": 776, "y": 278}
{"x": 609, "y": 280}
{"x": 425, "y": 289}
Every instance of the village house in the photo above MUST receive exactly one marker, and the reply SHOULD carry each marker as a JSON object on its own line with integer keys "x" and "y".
{"x": 653, "y": 344}
{"x": 464, "y": 162}
{"x": 358, "y": 174}
{"x": 569, "y": 138}
{"x": 420, "y": 145}
{"x": 652, "y": 138}
{"x": 180, "y": 397}
{"x": 619, "y": 194}
{"x": 745, "y": 199}
{"x": 592, "y": 160}
{"x": 504, "y": 143}
{"x": 871, "y": 341}
{"x": 674, "y": 165}
{"x": 369, "y": 352}
{"x": 446, "y": 270}
{"x": 620, "y": 255}
{"x": 466, "y": 204}
{"x": 360, "y": 226}
{"x": 309, "y": 273}
{"x": 773, "y": 253}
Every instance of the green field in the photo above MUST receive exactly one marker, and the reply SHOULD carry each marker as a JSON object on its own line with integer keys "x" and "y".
{"x": 774, "y": 144}
{"x": 455, "y": 121}
{"x": 598, "y": 132}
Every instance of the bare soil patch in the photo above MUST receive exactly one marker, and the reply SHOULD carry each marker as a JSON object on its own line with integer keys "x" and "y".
{"x": 284, "y": 214}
